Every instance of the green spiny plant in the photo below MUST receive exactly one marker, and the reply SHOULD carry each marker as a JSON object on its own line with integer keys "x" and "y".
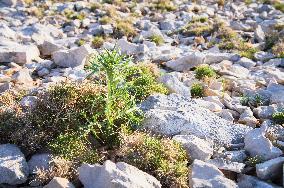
{"x": 278, "y": 117}
{"x": 157, "y": 39}
{"x": 197, "y": 90}
{"x": 204, "y": 71}
{"x": 120, "y": 105}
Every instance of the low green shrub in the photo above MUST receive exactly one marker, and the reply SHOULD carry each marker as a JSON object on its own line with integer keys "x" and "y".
{"x": 204, "y": 71}
{"x": 97, "y": 41}
{"x": 161, "y": 157}
{"x": 74, "y": 147}
{"x": 142, "y": 81}
{"x": 278, "y": 117}
{"x": 197, "y": 90}
{"x": 157, "y": 39}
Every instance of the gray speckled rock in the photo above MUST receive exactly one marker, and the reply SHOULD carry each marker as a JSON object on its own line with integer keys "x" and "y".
{"x": 245, "y": 181}
{"x": 174, "y": 114}
{"x": 207, "y": 175}
{"x": 13, "y": 166}
{"x": 256, "y": 138}
{"x": 72, "y": 58}
{"x": 119, "y": 175}
{"x": 195, "y": 147}
{"x": 270, "y": 169}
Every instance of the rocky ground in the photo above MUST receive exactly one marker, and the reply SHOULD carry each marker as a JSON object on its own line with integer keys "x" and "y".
{"x": 222, "y": 63}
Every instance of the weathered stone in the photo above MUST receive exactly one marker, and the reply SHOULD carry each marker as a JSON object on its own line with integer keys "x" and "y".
{"x": 72, "y": 58}
{"x": 207, "y": 175}
{"x": 174, "y": 114}
{"x": 47, "y": 48}
{"x": 20, "y": 54}
{"x": 245, "y": 181}
{"x": 39, "y": 162}
{"x": 13, "y": 166}
{"x": 256, "y": 138}
{"x": 195, "y": 147}
{"x": 22, "y": 77}
{"x": 224, "y": 164}
{"x": 172, "y": 82}
{"x": 119, "y": 175}
{"x": 28, "y": 101}
{"x": 270, "y": 169}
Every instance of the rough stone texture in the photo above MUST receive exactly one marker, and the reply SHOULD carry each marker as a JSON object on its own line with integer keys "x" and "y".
{"x": 20, "y": 54}
{"x": 270, "y": 169}
{"x": 119, "y": 175}
{"x": 195, "y": 147}
{"x": 187, "y": 62}
{"x": 245, "y": 181}
{"x": 13, "y": 166}
{"x": 256, "y": 138}
{"x": 174, "y": 114}
{"x": 172, "y": 82}
{"x": 22, "y": 77}
{"x": 28, "y": 101}
{"x": 227, "y": 165}
{"x": 207, "y": 175}
{"x": 235, "y": 156}
{"x": 39, "y": 162}
{"x": 58, "y": 182}
{"x": 48, "y": 48}
{"x": 72, "y": 58}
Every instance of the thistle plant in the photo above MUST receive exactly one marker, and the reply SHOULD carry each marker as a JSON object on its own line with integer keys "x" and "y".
{"x": 120, "y": 111}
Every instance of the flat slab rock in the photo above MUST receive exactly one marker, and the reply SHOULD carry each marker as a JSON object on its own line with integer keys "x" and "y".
{"x": 174, "y": 114}
{"x": 13, "y": 166}
{"x": 115, "y": 175}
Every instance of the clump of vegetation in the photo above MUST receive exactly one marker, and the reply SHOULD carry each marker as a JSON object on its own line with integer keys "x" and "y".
{"x": 80, "y": 42}
{"x": 278, "y": 117}
{"x": 197, "y": 90}
{"x": 252, "y": 161}
{"x": 105, "y": 20}
{"x": 67, "y": 112}
{"x": 161, "y": 157}
{"x": 279, "y": 6}
{"x": 58, "y": 168}
{"x": 98, "y": 41}
{"x": 74, "y": 147}
{"x": 278, "y": 49}
{"x": 253, "y": 101}
{"x": 141, "y": 81}
{"x": 247, "y": 50}
{"x": 164, "y": 5}
{"x": 157, "y": 39}
{"x": 124, "y": 28}
{"x": 95, "y": 6}
{"x": 70, "y": 14}
{"x": 204, "y": 71}
{"x": 199, "y": 27}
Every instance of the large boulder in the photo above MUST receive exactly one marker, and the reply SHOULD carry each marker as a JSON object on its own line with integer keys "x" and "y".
{"x": 194, "y": 59}
{"x": 174, "y": 114}
{"x": 256, "y": 138}
{"x": 19, "y": 54}
{"x": 207, "y": 175}
{"x": 73, "y": 57}
{"x": 39, "y": 162}
{"x": 195, "y": 147}
{"x": 245, "y": 181}
{"x": 119, "y": 175}
{"x": 270, "y": 169}
{"x": 13, "y": 166}
{"x": 47, "y": 48}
